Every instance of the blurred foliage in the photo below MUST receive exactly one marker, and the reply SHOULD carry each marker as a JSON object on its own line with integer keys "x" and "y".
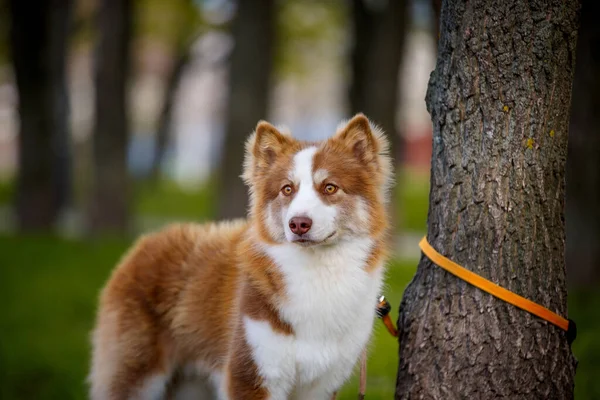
{"x": 6, "y": 192}
{"x": 412, "y": 194}
{"x": 302, "y": 28}
{"x": 583, "y": 309}
{"x": 172, "y": 22}
{"x": 166, "y": 199}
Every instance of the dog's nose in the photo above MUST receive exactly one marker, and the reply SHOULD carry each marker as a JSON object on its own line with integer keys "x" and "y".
{"x": 300, "y": 225}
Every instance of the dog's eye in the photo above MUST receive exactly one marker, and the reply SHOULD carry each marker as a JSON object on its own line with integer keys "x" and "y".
{"x": 287, "y": 190}
{"x": 330, "y": 188}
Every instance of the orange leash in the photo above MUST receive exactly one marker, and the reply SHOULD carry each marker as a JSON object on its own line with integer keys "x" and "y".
{"x": 498, "y": 291}
{"x": 382, "y": 310}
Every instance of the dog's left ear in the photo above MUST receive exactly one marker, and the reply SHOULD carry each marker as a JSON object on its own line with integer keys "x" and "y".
{"x": 358, "y": 137}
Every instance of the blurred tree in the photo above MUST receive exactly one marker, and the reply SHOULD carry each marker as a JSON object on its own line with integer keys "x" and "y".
{"x": 39, "y": 39}
{"x": 165, "y": 120}
{"x": 379, "y": 31}
{"x": 249, "y": 88}
{"x": 109, "y": 208}
{"x": 4, "y": 32}
{"x": 327, "y": 24}
{"x": 189, "y": 24}
{"x": 583, "y": 162}
{"x": 436, "y": 6}
{"x": 499, "y": 100}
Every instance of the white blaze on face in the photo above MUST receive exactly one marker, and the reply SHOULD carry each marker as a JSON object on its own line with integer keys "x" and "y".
{"x": 306, "y": 202}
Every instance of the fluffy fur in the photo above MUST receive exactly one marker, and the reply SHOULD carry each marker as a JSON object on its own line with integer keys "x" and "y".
{"x": 249, "y": 307}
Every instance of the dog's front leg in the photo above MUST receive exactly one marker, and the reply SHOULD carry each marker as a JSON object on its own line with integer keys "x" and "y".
{"x": 261, "y": 363}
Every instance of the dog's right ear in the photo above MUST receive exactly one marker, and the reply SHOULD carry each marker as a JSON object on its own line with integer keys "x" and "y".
{"x": 262, "y": 148}
{"x": 268, "y": 143}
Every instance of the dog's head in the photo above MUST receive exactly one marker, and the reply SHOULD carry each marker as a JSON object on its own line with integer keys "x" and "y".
{"x": 318, "y": 193}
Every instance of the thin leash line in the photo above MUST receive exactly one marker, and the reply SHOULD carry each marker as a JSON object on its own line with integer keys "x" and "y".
{"x": 492, "y": 288}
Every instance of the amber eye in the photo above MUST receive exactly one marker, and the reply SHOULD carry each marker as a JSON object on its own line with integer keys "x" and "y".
{"x": 330, "y": 188}
{"x": 287, "y": 190}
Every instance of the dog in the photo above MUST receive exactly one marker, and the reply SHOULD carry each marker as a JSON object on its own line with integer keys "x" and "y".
{"x": 277, "y": 306}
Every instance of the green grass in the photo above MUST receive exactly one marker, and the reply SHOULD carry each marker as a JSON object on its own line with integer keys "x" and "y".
{"x": 49, "y": 288}
{"x": 412, "y": 195}
{"x": 166, "y": 199}
{"x": 584, "y": 309}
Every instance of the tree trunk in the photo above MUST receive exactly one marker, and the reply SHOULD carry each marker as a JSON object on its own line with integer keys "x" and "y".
{"x": 39, "y": 42}
{"x": 249, "y": 88}
{"x": 165, "y": 122}
{"x": 379, "y": 32}
{"x": 499, "y": 100}
{"x": 436, "y": 7}
{"x": 111, "y": 187}
{"x": 583, "y": 162}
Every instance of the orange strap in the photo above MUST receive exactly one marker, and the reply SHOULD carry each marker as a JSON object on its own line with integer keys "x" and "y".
{"x": 492, "y": 288}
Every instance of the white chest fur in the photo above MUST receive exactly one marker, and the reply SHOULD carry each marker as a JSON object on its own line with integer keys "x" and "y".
{"x": 330, "y": 302}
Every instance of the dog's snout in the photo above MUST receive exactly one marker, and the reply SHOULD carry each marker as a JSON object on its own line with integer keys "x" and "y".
{"x": 300, "y": 225}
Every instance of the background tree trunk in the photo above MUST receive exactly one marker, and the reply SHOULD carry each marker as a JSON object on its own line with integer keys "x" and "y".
{"x": 379, "y": 32}
{"x": 499, "y": 99}
{"x": 583, "y": 163}
{"x": 39, "y": 42}
{"x": 249, "y": 88}
{"x": 111, "y": 187}
{"x": 165, "y": 121}
{"x": 436, "y": 7}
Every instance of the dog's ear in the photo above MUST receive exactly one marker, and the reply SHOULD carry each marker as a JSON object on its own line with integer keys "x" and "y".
{"x": 262, "y": 148}
{"x": 268, "y": 143}
{"x": 358, "y": 138}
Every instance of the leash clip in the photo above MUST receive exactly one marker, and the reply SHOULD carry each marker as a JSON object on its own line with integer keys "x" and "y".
{"x": 383, "y": 310}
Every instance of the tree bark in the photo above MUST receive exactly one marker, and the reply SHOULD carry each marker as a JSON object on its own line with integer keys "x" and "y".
{"x": 583, "y": 162}
{"x": 39, "y": 42}
{"x": 249, "y": 88}
{"x": 109, "y": 211}
{"x": 499, "y": 100}
{"x": 379, "y": 32}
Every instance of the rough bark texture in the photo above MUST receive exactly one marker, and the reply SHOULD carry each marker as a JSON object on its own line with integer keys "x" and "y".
{"x": 499, "y": 99}
{"x": 379, "y": 32}
{"x": 249, "y": 77}
{"x": 583, "y": 162}
{"x": 109, "y": 210}
{"x": 38, "y": 38}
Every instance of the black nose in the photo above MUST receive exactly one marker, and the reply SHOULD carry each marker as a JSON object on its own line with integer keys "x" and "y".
{"x": 300, "y": 225}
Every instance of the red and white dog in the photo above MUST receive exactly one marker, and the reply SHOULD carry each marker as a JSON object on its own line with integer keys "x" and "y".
{"x": 279, "y": 306}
